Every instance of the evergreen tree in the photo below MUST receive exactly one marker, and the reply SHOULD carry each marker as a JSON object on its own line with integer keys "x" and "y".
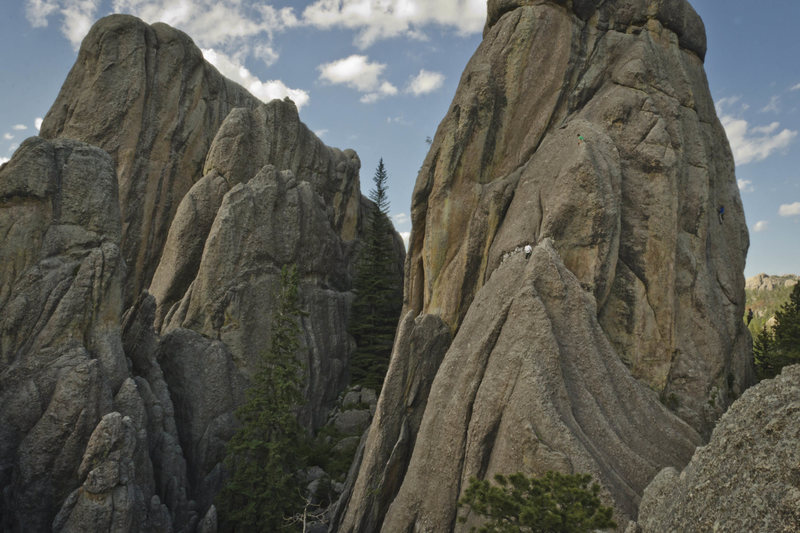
{"x": 782, "y": 347}
{"x": 378, "y": 292}
{"x": 553, "y": 503}
{"x": 262, "y": 457}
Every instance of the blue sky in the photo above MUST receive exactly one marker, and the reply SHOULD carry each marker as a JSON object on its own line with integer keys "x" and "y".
{"x": 378, "y": 76}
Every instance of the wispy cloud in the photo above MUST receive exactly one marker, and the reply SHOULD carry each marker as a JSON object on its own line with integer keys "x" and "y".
{"x": 320, "y": 133}
{"x": 375, "y": 20}
{"x": 357, "y": 72}
{"x": 263, "y": 90}
{"x": 76, "y": 16}
{"x": 789, "y": 210}
{"x": 795, "y": 87}
{"x": 760, "y": 226}
{"x": 400, "y": 218}
{"x": 425, "y": 82}
{"x": 751, "y": 144}
{"x": 4, "y": 160}
{"x": 745, "y": 185}
{"x": 19, "y": 127}
{"x": 772, "y": 106}
{"x": 7, "y": 136}
{"x": 38, "y": 122}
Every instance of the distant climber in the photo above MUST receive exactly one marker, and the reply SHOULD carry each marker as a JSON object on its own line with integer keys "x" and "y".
{"x": 721, "y": 213}
{"x": 749, "y": 315}
{"x": 528, "y": 251}
{"x": 580, "y": 139}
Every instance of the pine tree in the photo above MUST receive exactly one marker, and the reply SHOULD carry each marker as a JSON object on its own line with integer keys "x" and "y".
{"x": 553, "y": 503}
{"x": 378, "y": 300}
{"x": 781, "y": 347}
{"x": 262, "y": 457}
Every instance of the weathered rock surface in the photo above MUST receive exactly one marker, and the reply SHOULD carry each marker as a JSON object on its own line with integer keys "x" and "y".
{"x": 61, "y": 355}
{"x": 765, "y": 282}
{"x": 145, "y": 95}
{"x": 420, "y": 345}
{"x": 748, "y": 476}
{"x": 117, "y": 404}
{"x": 632, "y": 210}
{"x": 587, "y": 130}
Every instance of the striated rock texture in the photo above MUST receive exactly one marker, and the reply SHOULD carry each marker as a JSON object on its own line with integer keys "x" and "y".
{"x": 118, "y": 402}
{"x": 748, "y": 476}
{"x": 587, "y": 130}
{"x": 632, "y": 209}
{"x": 145, "y": 95}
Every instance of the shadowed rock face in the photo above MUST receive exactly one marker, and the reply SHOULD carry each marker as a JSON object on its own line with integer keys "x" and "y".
{"x": 117, "y": 404}
{"x": 145, "y": 95}
{"x": 590, "y": 133}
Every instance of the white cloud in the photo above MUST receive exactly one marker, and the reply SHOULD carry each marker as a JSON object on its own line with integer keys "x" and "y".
{"x": 19, "y": 127}
{"x": 772, "y": 105}
{"x": 760, "y": 226}
{"x": 355, "y": 71}
{"x": 745, "y": 185}
{"x": 405, "y": 235}
{"x": 795, "y": 87}
{"x": 77, "y": 16}
{"x": 754, "y": 144}
{"x": 4, "y": 160}
{"x": 358, "y": 73}
{"x": 320, "y": 133}
{"x": 38, "y": 122}
{"x": 7, "y": 136}
{"x": 400, "y": 218}
{"x": 382, "y": 19}
{"x": 263, "y": 90}
{"x": 789, "y": 210}
{"x": 425, "y": 82}
{"x": 212, "y": 23}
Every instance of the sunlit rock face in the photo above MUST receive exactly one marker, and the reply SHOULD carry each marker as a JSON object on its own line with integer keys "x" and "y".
{"x": 587, "y": 130}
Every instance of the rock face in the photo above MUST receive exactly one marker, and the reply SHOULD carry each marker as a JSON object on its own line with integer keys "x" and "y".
{"x": 61, "y": 355}
{"x": 587, "y": 130}
{"x": 118, "y": 402}
{"x": 765, "y": 282}
{"x": 145, "y": 95}
{"x": 748, "y": 476}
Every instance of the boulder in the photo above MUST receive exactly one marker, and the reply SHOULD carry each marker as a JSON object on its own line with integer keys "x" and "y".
{"x": 747, "y": 478}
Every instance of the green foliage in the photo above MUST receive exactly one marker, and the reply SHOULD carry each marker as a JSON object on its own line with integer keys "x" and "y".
{"x": 378, "y": 290}
{"x": 262, "y": 457}
{"x": 324, "y": 452}
{"x": 772, "y": 350}
{"x": 553, "y": 503}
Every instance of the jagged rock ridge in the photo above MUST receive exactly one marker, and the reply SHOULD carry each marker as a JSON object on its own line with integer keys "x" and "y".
{"x": 155, "y": 172}
{"x": 587, "y": 130}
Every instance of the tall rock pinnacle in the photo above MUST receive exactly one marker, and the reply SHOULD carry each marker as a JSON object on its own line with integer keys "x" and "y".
{"x": 584, "y": 129}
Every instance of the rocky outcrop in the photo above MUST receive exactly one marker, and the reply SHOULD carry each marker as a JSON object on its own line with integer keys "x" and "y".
{"x": 587, "y": 130}
{"x": 117, "y": 404}
{"x": 765, "y": 282}
{"x": 145, "y": 95}
{"x": 61, "y": 356}
{"x": 748, "y": 476}
{"x": 632, "y": 209}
